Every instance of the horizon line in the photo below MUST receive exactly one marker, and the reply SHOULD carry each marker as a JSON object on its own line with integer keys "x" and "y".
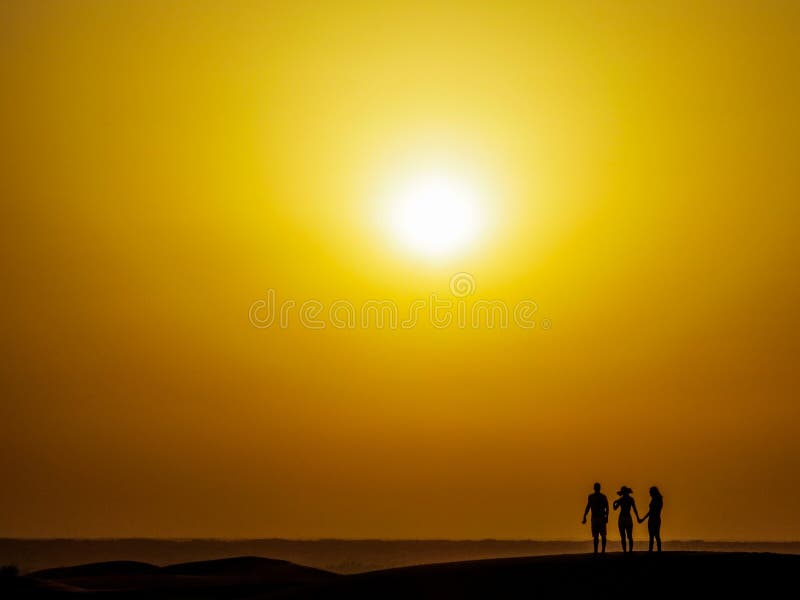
{"x": 368, "y": 539}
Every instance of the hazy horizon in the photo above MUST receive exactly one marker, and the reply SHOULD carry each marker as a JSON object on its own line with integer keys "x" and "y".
{"x": 638, "y": 535}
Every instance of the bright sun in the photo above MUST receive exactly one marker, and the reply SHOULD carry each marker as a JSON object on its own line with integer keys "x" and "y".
{"x": 435, "y": 214}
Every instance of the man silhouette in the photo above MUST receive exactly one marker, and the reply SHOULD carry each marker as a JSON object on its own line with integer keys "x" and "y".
{"x": 598, "y": 504}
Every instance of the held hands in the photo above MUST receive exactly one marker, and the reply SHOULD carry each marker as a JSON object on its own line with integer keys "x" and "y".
{"x": 640, "y": 520}
{"x": 584, "y": 520}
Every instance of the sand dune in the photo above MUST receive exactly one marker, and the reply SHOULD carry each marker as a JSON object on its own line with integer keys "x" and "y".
{"x": 229, "y": 577}
{"x": 339, "y": 556}
{"x": 671, "y": 574}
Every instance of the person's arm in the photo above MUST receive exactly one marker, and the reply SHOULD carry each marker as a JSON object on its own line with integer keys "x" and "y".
{"x": 644, "y": 518}
{"x": 633, "y": 506}
{"x": 605, "y": 508}
{"x": 616, "y": 504}
{"x": 586, "y": 511}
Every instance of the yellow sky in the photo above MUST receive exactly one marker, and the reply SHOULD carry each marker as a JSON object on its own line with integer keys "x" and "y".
{"x": 165, "y": 164}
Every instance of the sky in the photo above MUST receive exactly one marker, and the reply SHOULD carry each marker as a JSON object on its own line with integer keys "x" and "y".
{"x": 166, "y": 164}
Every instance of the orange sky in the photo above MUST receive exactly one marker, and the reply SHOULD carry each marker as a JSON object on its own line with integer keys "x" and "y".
{"x": 165, "y": 164}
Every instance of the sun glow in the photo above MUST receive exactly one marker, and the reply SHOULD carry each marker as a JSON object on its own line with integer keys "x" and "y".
{"x": 435, "y": 214}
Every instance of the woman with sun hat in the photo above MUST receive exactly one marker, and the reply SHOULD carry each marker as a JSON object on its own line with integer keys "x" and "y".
{"x": 625, "y": 503}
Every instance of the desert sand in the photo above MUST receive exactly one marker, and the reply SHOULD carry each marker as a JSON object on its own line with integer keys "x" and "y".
{"x": 666, "y": 575}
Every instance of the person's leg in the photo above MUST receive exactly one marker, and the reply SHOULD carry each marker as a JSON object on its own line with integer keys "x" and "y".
{"x": 622, "y": 536}
{"x": 603, "y": 537}
{"x": 594, "y": 539}
{"x": 651, "y": 532}
{"x": 658, "y": 535}
{"x": 629, "y": 531}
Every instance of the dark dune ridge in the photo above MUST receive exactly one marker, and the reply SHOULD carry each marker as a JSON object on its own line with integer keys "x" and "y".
{"x": 339, "y": 556}
{"x": 115, "y": 568}
{"x": 668, "y": 575}
{"x": 239, "y": 577}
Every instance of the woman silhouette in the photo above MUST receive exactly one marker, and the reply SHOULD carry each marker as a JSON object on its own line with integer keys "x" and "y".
{"x": 654, "y": 514}
{"x": 625, "y": 503}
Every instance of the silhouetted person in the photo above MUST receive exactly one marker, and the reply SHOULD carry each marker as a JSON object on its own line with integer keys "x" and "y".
{"x": 598, "y": 504}
{"x": 654, "y": 514}
{"x": 625, "y": 503}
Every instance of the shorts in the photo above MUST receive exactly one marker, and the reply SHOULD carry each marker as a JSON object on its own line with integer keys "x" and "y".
{"x": 598, "y": 527}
